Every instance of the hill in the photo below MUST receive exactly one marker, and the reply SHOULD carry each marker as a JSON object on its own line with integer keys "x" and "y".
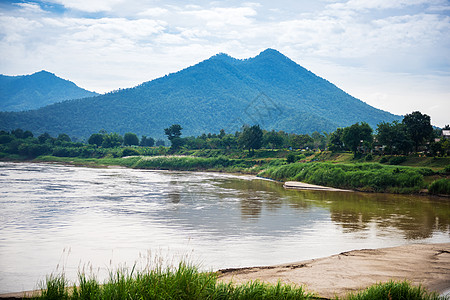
{"x": 18, "y": 93}
{"x": 220, "y": 92}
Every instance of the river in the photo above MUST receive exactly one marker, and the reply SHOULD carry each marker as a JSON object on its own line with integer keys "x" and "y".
{"x": 57, "y": 218}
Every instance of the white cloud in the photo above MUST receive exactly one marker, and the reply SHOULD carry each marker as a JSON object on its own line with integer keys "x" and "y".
{"x": 139, "y": 40}
{"x": 89, "y": 5}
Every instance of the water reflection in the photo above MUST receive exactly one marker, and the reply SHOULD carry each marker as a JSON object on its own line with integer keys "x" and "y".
{"x": 228, "y": 220}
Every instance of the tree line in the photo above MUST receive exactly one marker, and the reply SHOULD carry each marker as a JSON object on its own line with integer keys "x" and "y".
{"x": 413, "y": 134}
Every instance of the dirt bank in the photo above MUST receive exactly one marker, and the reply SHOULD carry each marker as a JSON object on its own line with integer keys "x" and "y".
{"x": 426, "y": 264}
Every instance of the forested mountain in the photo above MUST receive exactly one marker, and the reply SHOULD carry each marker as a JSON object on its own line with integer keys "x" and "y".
{"x": 219, "y": 93}
{"x": 27, "y": 92}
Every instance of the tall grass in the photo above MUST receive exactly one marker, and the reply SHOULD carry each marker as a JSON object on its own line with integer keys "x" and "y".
{"x": 440, "y": 187}
{"x": 364, "y": 176}
{"x": 185, "y": 282}
{"x": 394, "y": 290}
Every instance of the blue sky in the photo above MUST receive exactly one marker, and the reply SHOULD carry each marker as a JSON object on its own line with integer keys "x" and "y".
{"x": 394, "y": 55}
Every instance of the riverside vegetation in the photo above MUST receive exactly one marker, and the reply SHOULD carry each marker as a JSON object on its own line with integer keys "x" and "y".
{"x": 186, "y": 282}
{"x": 405, "y": 161}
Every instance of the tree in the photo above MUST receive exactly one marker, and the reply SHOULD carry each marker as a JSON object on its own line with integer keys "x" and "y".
{"x": 251, "y": 138}
{"x": 63, "y": 138}
{"x": 394, "y": 137}
{"x": 419, "y": 128}
{"x": 273, "y": 140}
{"x": 130, "y": 139}
{"x": 173, "y": 134}
{"x": 95, "y": 139}
{"x": 160, "y": 143}
{"x": 336, "y": 143}
{"x": 357, "y": 136}
{"x": 45, "y": 138}
{"x": 301, "y": 141}
{"x": 111, "y": 140}
{"x": 174, "y": 131}
{"x": 147, "y": 141}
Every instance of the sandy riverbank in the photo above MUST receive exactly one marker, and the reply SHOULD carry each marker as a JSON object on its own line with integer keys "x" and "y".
{"x": 425, "y": 264}
{"x": 297, "y": 185}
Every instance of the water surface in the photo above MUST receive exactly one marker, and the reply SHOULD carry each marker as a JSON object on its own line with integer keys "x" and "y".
{"x": 55, "y": 217}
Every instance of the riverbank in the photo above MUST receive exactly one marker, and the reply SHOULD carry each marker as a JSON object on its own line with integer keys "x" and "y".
{"x": 427, "y": 265}
{"x": 337, "y": 275}
{"x": 356, "y": 176}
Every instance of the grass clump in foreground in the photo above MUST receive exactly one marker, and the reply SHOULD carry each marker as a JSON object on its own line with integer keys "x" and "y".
{"x": 187, "y": 282}
{"x": 394, "y": 290}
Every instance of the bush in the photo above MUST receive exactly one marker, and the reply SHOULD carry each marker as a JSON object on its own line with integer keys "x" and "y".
{"x": 440, "y": 186}
{"x": 369, "y": 157}
{"x": 447, "y": 169}
{"x": 291, "y": 158}
{"x": 130, "y": 152}
{"x": 396, "y": 160}
{"x": 384, "y": 159}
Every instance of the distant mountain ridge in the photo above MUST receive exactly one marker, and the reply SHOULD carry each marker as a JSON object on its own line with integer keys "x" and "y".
{"x": 26, "y": 92}
{"x": 218, "y": 93}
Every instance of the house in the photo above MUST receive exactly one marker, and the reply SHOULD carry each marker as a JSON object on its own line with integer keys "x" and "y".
{"x": 446, "y": 134}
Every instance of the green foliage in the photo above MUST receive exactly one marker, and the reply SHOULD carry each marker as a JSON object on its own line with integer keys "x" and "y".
{"x": 174, "y": 131}
{"x": 419, "y": 127}
{"x": 336, "y": 142}
{"x": 394, "y": 290}
{"x": 440, "y": 187}
{"x": 185, "y": 282}
{"x": 369, "y": 157}
{"x": 291, "y": 158}
{"x": 130, "y": 139}
{"x": 251, "y": 138}
{"x": 366, "y": 176}
{"x": 147, "y": 141}
{"x": 96, "y": 139}
{"x": 357, "y": 136}
{"x": 130, "y": 152}
{"x": 397, "y": 160}
{"x": 447, "y": 169}
{"x": 395, "y": 137}
{"x": 111, "y": 140}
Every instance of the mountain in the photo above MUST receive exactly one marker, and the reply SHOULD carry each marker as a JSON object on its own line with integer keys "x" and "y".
{"x": 27, "y": 92}
{"x": 220, "y": 92}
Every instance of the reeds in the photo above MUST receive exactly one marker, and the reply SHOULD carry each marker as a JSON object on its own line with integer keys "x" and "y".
{"x": 184, "y": 282}
{"x": 365, "y": 176}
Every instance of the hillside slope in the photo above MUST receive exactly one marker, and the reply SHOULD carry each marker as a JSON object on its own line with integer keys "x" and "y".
{"x": 18, "y": 93}
{"x": 220, "y": 92}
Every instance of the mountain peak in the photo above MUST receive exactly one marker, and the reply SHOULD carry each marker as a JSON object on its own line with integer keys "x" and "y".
{"x": 269, "y": 52}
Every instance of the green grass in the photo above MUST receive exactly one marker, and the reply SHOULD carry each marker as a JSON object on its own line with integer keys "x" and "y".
{"x": 361, "y": 176}
{"x": 394, "y": 290}
{"x": 186, "y": 282}
{"x": 440, "y": 187}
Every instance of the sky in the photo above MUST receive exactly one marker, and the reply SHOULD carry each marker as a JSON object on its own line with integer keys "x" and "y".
{"x": 391, "y": 54}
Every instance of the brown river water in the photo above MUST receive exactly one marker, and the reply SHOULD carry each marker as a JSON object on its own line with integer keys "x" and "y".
{"x": 56, "y": 218}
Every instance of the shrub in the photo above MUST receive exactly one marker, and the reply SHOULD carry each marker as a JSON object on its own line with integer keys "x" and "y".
{"x": 369, "y": 157}
{"x": 440, "y": 186}
{"x": 384, "y": 159}
{"x": 396, "y": 160}
{"x": 130, "y": 152}
{"x": 291, "y": 158}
